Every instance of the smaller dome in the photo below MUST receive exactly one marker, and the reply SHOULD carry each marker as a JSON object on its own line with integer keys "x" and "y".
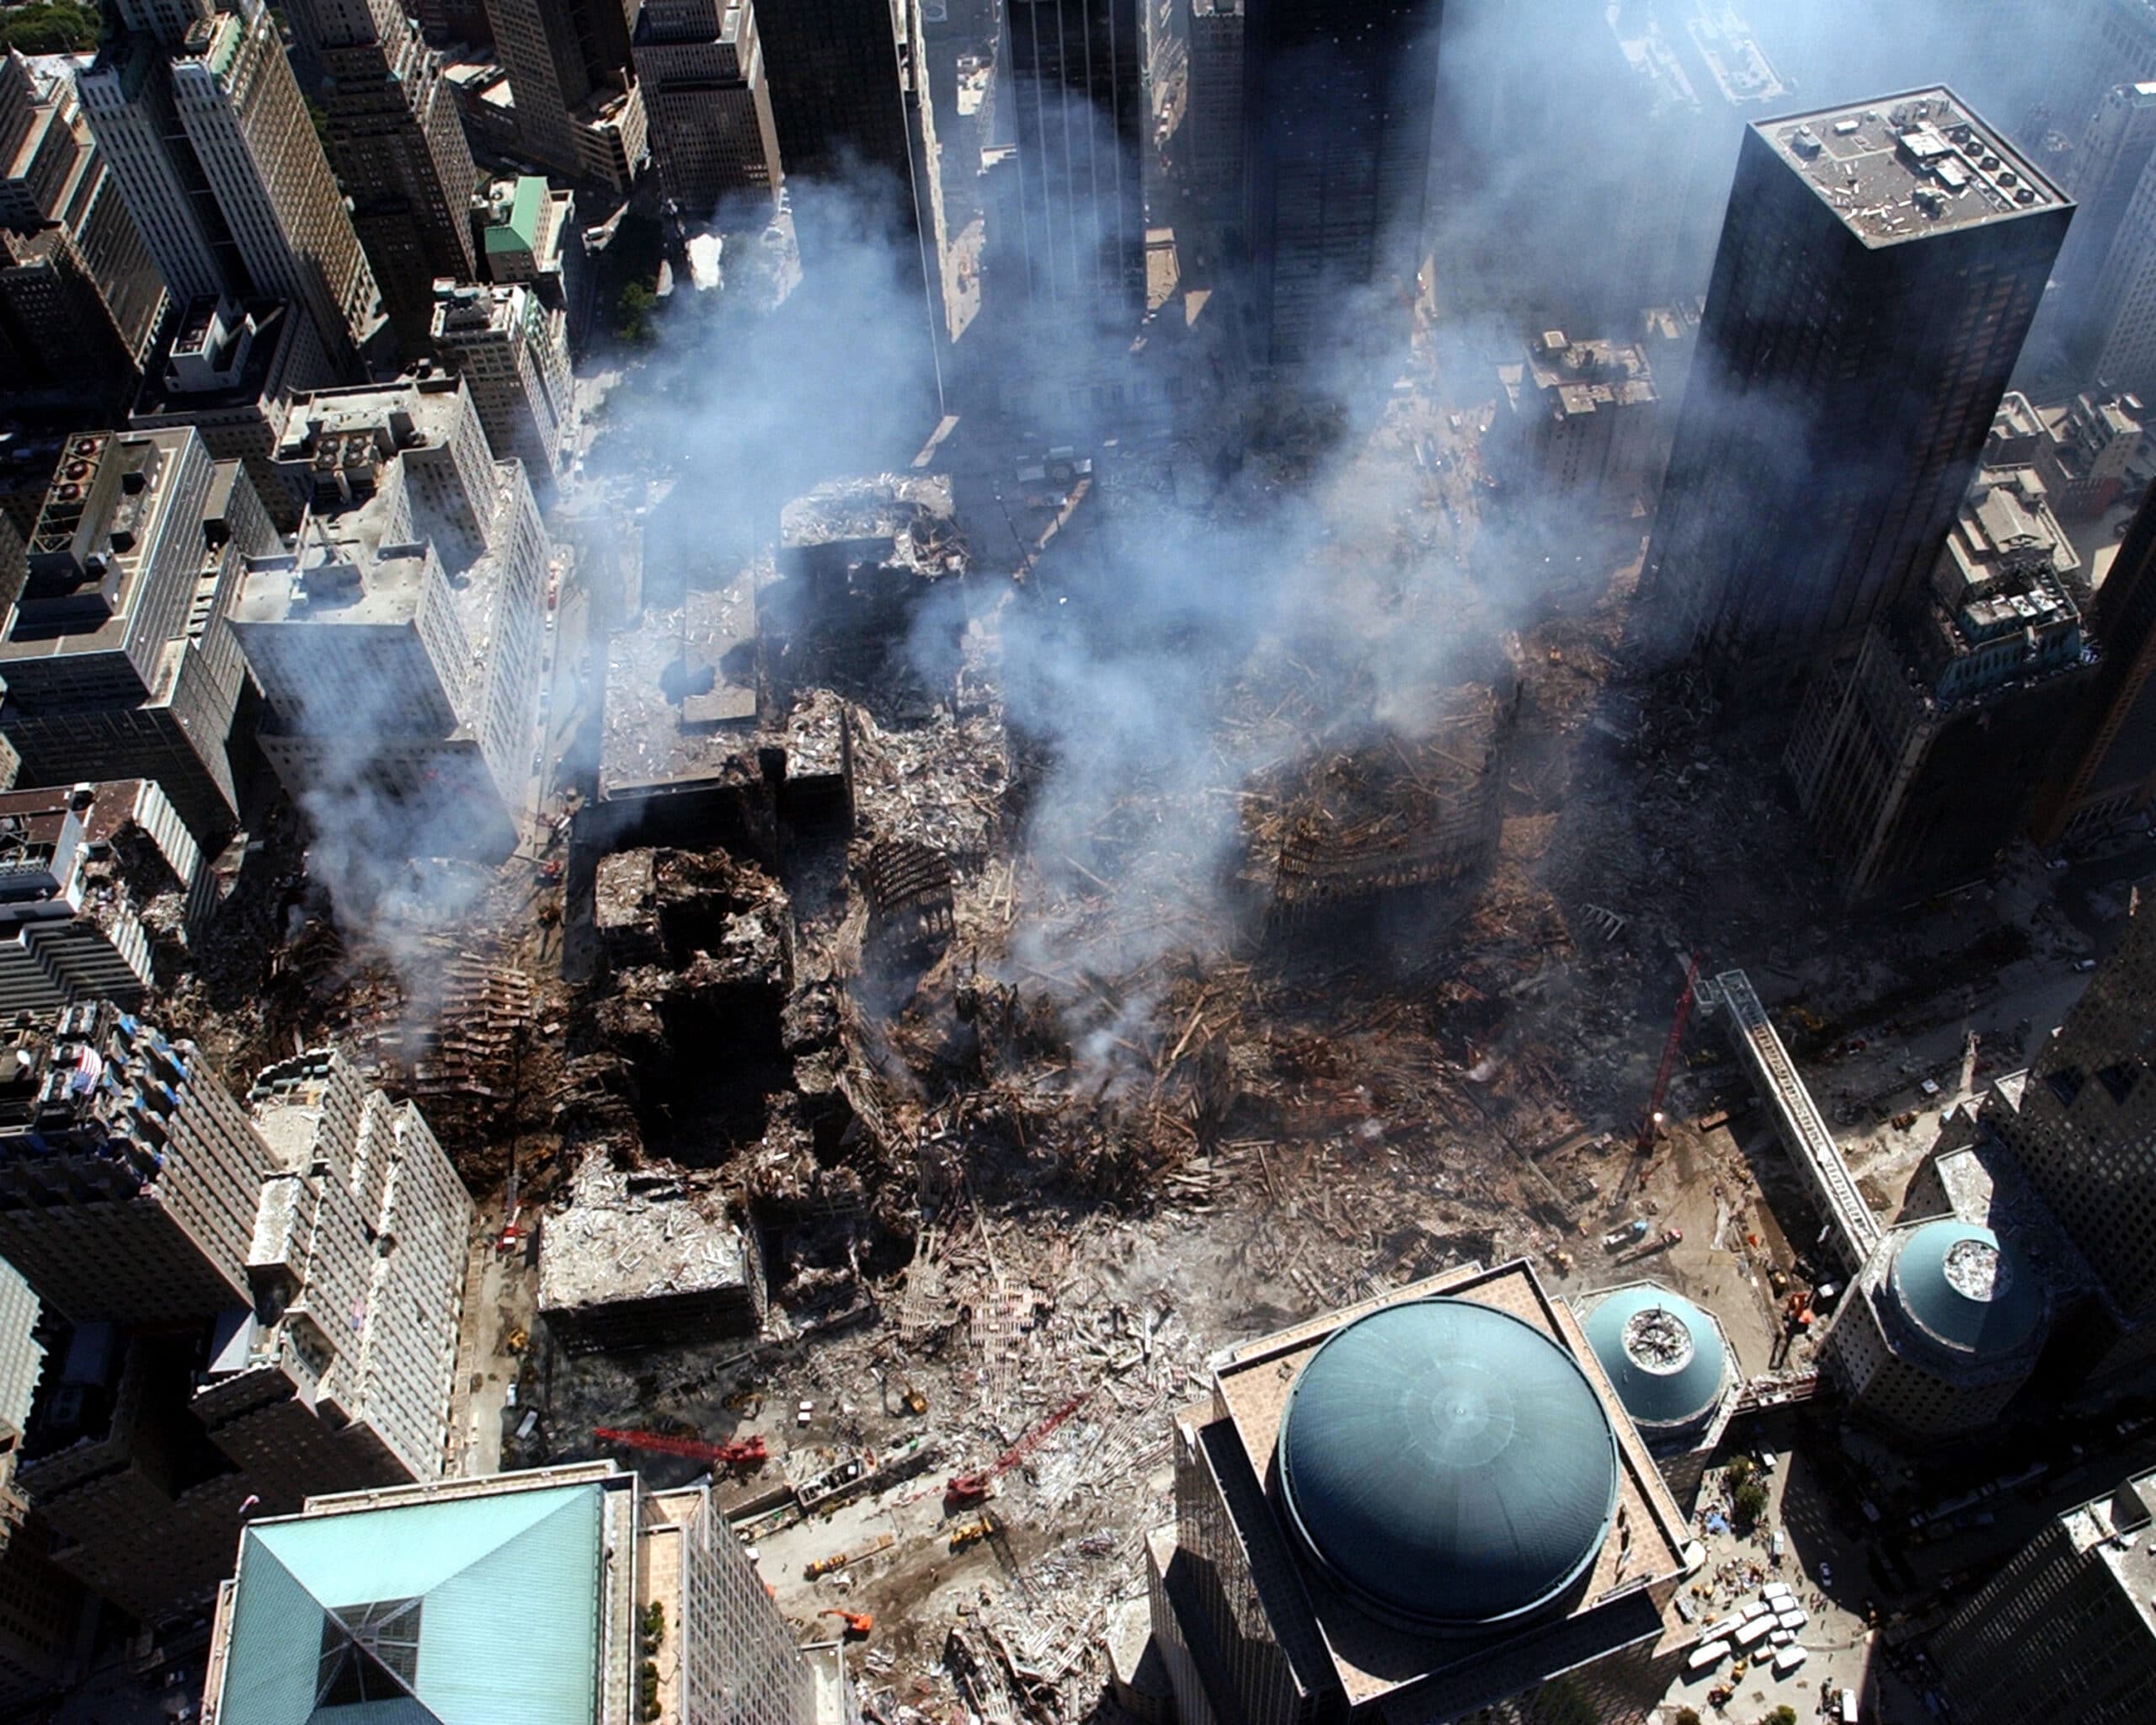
{"x": 1966, "y": 1289}
{"x": 1664, "y": 1353}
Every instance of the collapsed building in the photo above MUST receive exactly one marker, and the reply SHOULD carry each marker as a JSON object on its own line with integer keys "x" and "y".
{"x": 645, "y": 1259}
{"x": 1399, "y": 815}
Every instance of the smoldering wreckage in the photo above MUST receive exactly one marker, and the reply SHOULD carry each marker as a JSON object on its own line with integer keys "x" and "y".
{"x": 838, "y": 1153}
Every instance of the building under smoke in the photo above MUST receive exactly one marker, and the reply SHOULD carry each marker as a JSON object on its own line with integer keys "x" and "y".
{"x": 1584, "y": 422}
{"x": 1510, "y": 1545}
{"x": 117, "y": 657}
{"x": 1921, "y": 758}
{"x": 1339, "y": 98}
{"x": 399, "y": 649}
{"x": 1878, "y": 271}
{"x": 699, "y": 64}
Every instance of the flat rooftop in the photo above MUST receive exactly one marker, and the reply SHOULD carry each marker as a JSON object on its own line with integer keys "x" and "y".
{"x": 1904, "y": 167}
{"x": 680, "y": 692}
{"x": 1371, "y": 1658}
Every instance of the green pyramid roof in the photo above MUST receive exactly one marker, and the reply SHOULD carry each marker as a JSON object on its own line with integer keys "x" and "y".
{"x": 478, "y": 1610}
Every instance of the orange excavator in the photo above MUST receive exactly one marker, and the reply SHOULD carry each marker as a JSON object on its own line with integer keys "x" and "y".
{"x": 859, "y": 1625}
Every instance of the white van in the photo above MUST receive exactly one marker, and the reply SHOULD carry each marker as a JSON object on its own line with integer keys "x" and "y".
{"x": 1757, "y": 1630}
{"x": 1707, "y": 1654}
{"x": 1787, "y": 1660}
{"x": 1848, "y": 1715}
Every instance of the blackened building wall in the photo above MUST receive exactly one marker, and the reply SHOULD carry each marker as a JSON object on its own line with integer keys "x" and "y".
{"x": 1878, "y": 270}
{"x": 1339, "y": 97}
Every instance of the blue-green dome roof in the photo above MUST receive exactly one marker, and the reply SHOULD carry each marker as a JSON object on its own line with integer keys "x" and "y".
{"x": 1664, "y": 1355}
{"x": 1448, "y": 1463}
{"x": 1965, "y": 1288}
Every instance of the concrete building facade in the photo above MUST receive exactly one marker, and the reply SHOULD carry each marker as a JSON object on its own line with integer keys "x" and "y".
{"x": 400, "y": 154}
{"x": 2065, "y": 1632}
{"x": 1339, "y": 101}
{"x": 256, "y": 1308}
{"x": 1877, "y": 274}
{"x": 700, "y": 64}
{"x": 1585, "y": 420}
{"x": 398, "y": 651}
{"x": 1919, "y": 761}
{"x": 512, "y": 350}
{"x": 577, "y": 110}
{"x": 1324, "y": 1565}
{"x": 117, "y": 659}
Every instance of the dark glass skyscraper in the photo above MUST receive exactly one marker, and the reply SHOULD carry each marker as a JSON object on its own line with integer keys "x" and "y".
{"x": 1339, "y": 100}
{"x": 1878, "y": 268}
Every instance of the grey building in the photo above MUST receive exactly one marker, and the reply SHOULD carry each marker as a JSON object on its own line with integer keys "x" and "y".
{"x": 400, "y": 154}
{"x": 116, "y": 656}
{"x": 256, "y": 1308}
{"x": 578, "y": 109}
{"x": 399, "y": 649}
{"x": 512, "y": 350}
{"x": 1670, "y": 1362}
{"x": 2065, "y": 1632}
{"x": 1339, "y": 104}
{"x": 1078, "y": 107}
{"x": 709, "y": 102}
{"x": 1877, "y": 272}
{"x": 1919, "y": 762}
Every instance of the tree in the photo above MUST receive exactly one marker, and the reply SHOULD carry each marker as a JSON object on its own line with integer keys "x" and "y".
{"x": 49, "y": 27}
{"x": 1687, "y": 1716}
{"x": 1740, "y": 1469}
{"x": 1749, "y": 1501}
{"x": 1783, "y": 1715}
{"x": 635, "y": 306}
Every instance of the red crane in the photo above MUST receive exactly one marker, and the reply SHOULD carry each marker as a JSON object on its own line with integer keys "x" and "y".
{"x": 1668, "y": 1058}
{"x": 971, "y": 1487}
{"x": 743, "y": 1452}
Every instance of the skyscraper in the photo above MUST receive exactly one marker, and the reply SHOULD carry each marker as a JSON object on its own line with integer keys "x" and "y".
{"x": 1080, "y": 109}
{"x": 1339, "y": 97}
{"x": 578, "y": 110}
{"x": 2084, "y": 1134}
{"x": 399, "y": 152}
{"x": 512, "y": 350}
{"x": 700, "y": 64}
{"x": 2062, "y": 1633}
{"x": 220, "y": 167}
{"x": 840, "y": 105}
{"x": 86, "y": 300}
{"x": 2106, "y": 772}
{"x": 1877, "y": 272}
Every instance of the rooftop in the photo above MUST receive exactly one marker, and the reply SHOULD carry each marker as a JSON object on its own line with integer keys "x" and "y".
{"x": 516, "y": 228}
{"x": 1667, "y": 1357}
{"x": 1904, "y": 167}
{"x": 681, "y": 690}
{"x": 619, "y": 1239}
{"x": 165, "y": 395}
{"x": 1969, "y": 1293}
{"x": 1370, "y": 1657}
{"x": 2121, "y": 1528}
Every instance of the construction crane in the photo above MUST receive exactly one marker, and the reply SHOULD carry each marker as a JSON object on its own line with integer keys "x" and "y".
{"x": 743, "y": 1453}
{"x": 964, "y": 1488}
{"x": 1668, "y": 1058}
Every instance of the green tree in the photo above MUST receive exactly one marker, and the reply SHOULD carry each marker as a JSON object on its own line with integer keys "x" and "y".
{"x": 1687, "y": 1716}
{"x": 1749, "y": 1501}
{"x": 49, "y": 27}
{"x": 634, "y": 308}
{"x": 1740, "y": 1469}
{"x": 1783, "y": 1715}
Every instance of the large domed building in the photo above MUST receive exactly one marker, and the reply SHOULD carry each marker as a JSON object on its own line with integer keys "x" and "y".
{"x": 1940, "y": 1331}
{"x": 1670, "y": 1361}
{"x": 1418, "y": 1509}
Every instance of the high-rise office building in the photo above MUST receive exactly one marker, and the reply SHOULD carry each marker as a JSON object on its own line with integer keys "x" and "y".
{"x": 1078, "y": 109}
{"x": 400, "y": 154}
{"x": 1918, "y": 763}
{"x": 255, "y": 1309}
{"x": 2063, "y": 1632}
{"x": 116, "y": 656}
{"x": 700, "y": 64}
{"x": 209, "y": 139}
{"x": 578, "y": 110}
{"x": 395, "y": 1602}
{"x": 1339, "y": 104}
{"x": 512, "y": 350}
{"x": 1213, "y": 129}
{"x": 399, "y": 650}
{"x": 1877, "y": 272}
{"x": 83, "y": 301}
{"x": 839, "y": 96}
{"x": 2085, "y": 1135}
{"x": 2106, "y": 771}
